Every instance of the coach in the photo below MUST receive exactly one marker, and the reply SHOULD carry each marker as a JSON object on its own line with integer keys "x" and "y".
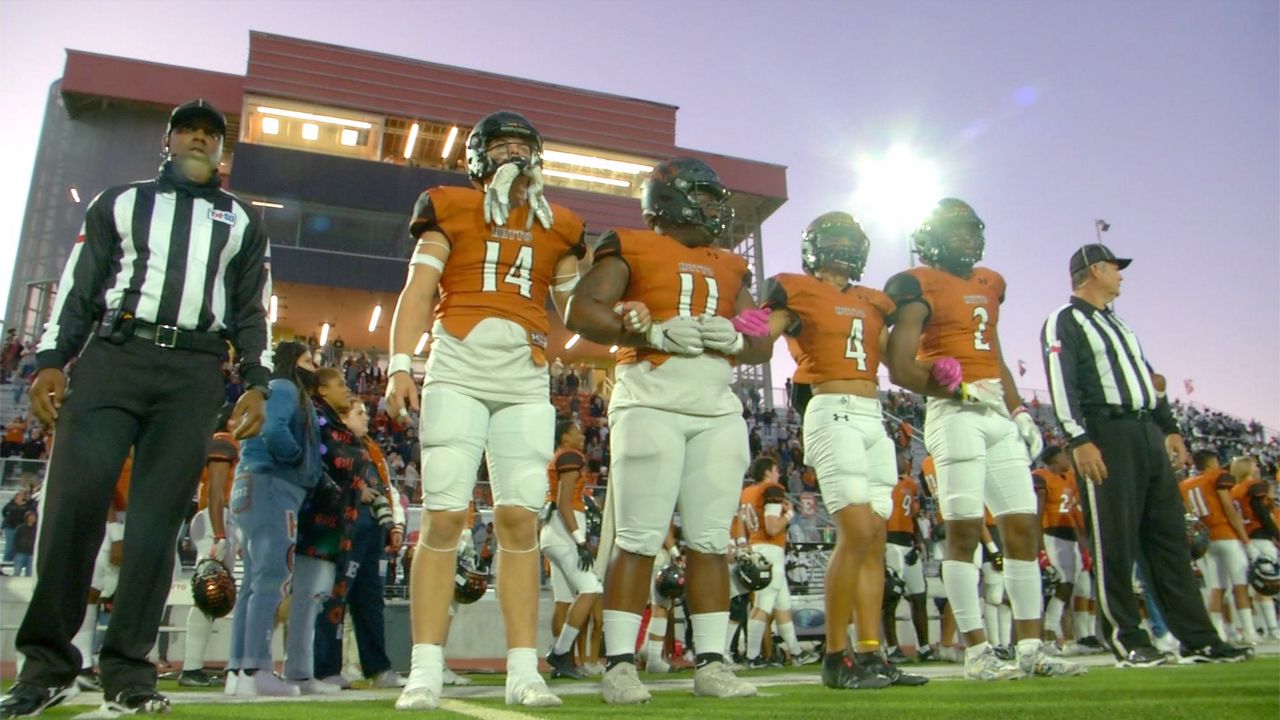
{"x": 1122, "y": 433}
{"x": 162, "y": 275}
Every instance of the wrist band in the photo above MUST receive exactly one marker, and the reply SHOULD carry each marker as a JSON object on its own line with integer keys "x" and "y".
{"x": 400, "y": 362}
{"x": 579, "y": 536}
{"x": 992, "y": 548}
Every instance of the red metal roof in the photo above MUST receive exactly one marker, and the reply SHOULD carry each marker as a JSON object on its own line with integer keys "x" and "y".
{"x": 168, "y": 85}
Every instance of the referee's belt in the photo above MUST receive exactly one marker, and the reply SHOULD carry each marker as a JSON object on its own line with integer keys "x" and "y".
{"x": 168, "y": 336}
{"x": 1114, "y": 412}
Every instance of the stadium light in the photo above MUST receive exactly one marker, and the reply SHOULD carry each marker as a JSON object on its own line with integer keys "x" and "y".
{"x": 572, "y": 341}
{"x": 896, "y": 190}
{"x": 373, "y": 319}
{"x": 75, "y": 195}
{"x": 448, "y": 143}
{"x": 324, "y": 334}
{"x": 274, "y": 313}
{"x": 413, "y": 138}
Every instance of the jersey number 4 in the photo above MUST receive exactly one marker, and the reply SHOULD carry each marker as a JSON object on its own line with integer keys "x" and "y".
{"x": 519, "y": 272}
{"x": 853, "y": 347}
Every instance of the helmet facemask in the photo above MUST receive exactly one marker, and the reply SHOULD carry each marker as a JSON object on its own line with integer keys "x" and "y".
{"x": 838, "y": 245}
{"x": 952, "y": 238}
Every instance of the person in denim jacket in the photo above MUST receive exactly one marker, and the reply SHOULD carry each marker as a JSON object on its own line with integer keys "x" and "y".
{"x": 277, "y": 469}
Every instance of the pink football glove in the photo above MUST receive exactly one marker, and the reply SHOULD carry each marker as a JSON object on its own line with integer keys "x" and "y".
{"x": 947, "y": 373}
{"x": 752, "y": 322}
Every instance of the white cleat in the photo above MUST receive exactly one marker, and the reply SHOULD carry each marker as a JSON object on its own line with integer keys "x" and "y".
{"x": 658, "y": 666}
{"x": 453, "y": 679}
{"x": 716, "y": 680}
{"x": 1043, "y": 664}
{"x": 233, "y": 680}
{"x": 988, "y": 666}
{"x": 620, "y": 685}
{"x": 387, "y": 679}
{"x": 264, "y": 683}
{"x": 531, "y": 692}
{"x": 417, "y": 698}
{"x": 315, "y": 687}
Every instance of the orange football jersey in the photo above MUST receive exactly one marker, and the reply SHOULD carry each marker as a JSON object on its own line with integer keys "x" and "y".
{"x": 803, "y": 375}
{"x": 1242, "y": 495}
{"x": 222, "y": 449}
{"x": 502, "y": 272}
{"x": 752, "y": 514}
{"x": 837, "y": 331}
{"x": 1060, "y": 498}
{"x": 1201, "y": 492}
{"x": 567, "y": 461}
{"x": 963, "y": 314}
{"x": 906, "y": 506}
{"x": 672, "y": 279}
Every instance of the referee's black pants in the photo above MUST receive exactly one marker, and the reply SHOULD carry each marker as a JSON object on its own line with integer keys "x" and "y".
{"x": 1136, "y": 514}
{"x": 163, "y": 404}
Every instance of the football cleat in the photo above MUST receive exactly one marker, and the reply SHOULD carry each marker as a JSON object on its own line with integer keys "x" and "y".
{"x": 1219, "y": 652}
{"x": 140, "y": 700}
{"x": 530, "y": 692}
{"x": 621, "y": 685}
{"x": 1044, "y": 664}
{"x": 26, "y": 699}
{"x": 194, "y": 678}
{"x": 843, "y": 672}
{"x": 562, "y": 666}
{"x": 1142, "y": 657}
{"x": 88, "y": 681}
{"x": 454, "y": 679}
{"x": 716, "y": 680}
{"x": 988, "y": 666}
{"x": 898, "y": 677}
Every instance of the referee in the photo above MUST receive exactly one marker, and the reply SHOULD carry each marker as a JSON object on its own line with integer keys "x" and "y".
{"x": 1122, "y": 434}
{"x": 162, "y": 275}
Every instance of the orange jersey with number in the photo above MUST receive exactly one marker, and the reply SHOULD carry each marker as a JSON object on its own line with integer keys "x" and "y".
{"x": 837, "y": 331}
{"x": 906, "y": 506}
{"x": 751, "y": 510}
{"x": 1201, "y": 494}
{"x": 567, "y": 460}
{"x": 962, "y": 316}
{"x": 1061, "y": 498}
{"x": 502, "y": 272}
{"x": 1242, "y": 495}
{"x": 673, "y": 279}
{"x": 803, "y": 374}
{"x": 223, "y": 448}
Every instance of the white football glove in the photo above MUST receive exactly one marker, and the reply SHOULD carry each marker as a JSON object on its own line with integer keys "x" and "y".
{"x": 678, "y": 336}
{"x": 985, "y": 393}
{"x": 497, "y": 194}
{"x": 719, "y": 335}
{"x": 220, "y": 551}
{"x": 1251, "y": 552}
{"x": 1028, "y": 431}
{"x": 538, "y": 205}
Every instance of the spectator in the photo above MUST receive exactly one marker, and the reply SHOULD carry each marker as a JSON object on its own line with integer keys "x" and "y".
{"x": 15, "y": 434}
{"x": 14, "y": 515}
{"x": 24, "y": 545}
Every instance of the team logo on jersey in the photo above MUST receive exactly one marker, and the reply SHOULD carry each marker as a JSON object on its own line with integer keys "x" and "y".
{"x": 502, "y": 233}
{"x": 223, "y": 216}
{"x": 538, "y": 339}
{"x": 696, "y": 268}
{"x": 975, "y": 299}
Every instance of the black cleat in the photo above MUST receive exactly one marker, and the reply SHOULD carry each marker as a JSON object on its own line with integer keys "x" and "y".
{"x": 1218, "y": 652}
{"x": 26, "y": 699}
{"x": 562, "y": 667}
{"x": 842, "y": 672}
{"x": 928, "y": 654}
{"x": 1092, "y": 643}
{"x": 194, "y": 678}
{"x": 896, "y": 657}
{"x": 898, "y": 677}
{"x": 88, "y": 681}
{"x": 1142, "y": 657}
{"x": 757, "y": 663}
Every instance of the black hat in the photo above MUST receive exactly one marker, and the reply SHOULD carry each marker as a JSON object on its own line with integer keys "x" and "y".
{"x": 199, "y": 107}
{"x": 1095, "y": 253}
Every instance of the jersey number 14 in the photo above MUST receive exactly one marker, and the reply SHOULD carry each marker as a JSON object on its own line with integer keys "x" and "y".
{"x": 519, "y": 273}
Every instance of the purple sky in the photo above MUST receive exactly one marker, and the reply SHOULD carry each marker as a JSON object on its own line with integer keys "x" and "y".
{"x": 1162, "y": 117}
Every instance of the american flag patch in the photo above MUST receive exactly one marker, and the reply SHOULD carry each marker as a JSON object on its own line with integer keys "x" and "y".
{"x": 1055, "y": 346}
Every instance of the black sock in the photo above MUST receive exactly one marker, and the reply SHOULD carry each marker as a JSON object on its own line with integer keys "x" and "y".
{"x": 611, "y": 660}
{"x": 250, "y": 672}
{"x": 704, "y": 658}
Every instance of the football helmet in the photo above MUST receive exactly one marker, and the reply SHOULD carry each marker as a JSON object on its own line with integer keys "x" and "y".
{"x": 670, "y": 582}
{"x": 1050, "y": 579}
{"x": 595, "y": 519}
{"x": 213, "y": 589}
{"x": 500, "y": 124}
{"x": 894, "y": 587}
{"x": 469, "y": 585}
{"x": 669, "y": 196}
{"x": 834, "y": 238}
{"x": 753, "y": 571}
{"x": 1264, "y": 576}
{"x": 1197, "y": 537}
{"x": 951, "y": 237}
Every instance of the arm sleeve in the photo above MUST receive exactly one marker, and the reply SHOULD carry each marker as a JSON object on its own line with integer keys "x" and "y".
{"x": 1062, "y": 345}
{"x": 79, "y": 304}
{"x": 774, "y": 296}
{"x": 250, "y": 279}
{"x": 424, "y": 218}
{"x": 904, "y": 289}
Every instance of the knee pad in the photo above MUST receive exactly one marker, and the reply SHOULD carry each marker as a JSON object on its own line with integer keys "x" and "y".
{"x": 452, "y": 439}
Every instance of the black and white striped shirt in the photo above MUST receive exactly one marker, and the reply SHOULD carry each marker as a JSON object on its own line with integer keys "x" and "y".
{"x": 1095, "y": 365}
{"x": 168, "y": 253}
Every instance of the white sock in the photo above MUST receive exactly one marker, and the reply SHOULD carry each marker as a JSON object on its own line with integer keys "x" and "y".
{"x": 1028, "y": 646}
{"x": 620, "y": 631}
{"x": 1246, "y": 619}
{"x": 1053, "y": 616}
{"x": 755, "y": 638}
{"x": 657, "y": 628}
{"x": 426, "y": 668}
{"x": 1216, "y": 619}
{"x": 1266, "y": 606}
{"x": 1005, "y": 626}
{"x": 976, "y": 650}
{"x": 961, "y": 582}
{"x": 1022, "y": 585}
{"x": 708, "y": 632}
{"x": 564, "y": 643}
{"x": 522, "y": 663}
{"x": 1083, "y": 623}
{"x": 991, "y": 622}
{"x": 788, "y": 633}
{"x": 198, "y": 627}
{"x": 83, "y": 640}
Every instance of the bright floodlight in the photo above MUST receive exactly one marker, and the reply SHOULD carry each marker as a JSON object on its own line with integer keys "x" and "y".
{"x": 896, "y": 190}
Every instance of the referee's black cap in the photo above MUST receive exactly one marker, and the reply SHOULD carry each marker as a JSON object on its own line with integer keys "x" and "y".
{"x": 1095, "y": 253}
{"x": 198, "y": 108}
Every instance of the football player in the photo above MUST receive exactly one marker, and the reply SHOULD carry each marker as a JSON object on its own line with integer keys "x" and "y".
{"x": 1056, "y": 494}
{"x": 1207, "y": 495}
{"x": 1254, "y": 505}
{"x": 214, "y": 536}
{"x": 660, "y": 607}
{"x": 839, "y": 329}
{"x": 493, "y": 251}
{"x": 945, "y": 346}
{"x": 106, "y": 576}
{"x": 677, "y": 436}
{"x": 564, "y": 542}
{"x": 904, "y": 554}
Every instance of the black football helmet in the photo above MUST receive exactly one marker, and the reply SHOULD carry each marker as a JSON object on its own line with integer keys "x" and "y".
{"x": 1264, "y": 576}
{"x": 469, "y": 585}
{"x": 834, "y": 238}
{"x": 668, "y": 196}
{"x": 1050, "y": 579}
{"x": 500, "y": 124}
{"x": 213, "y": 589}
{"x": 670, "y": 582}
{"x": 753, "y": 571}
{"x": 894, "y": 587}
{"x": 951, "y": 238}
{"x": 1197, "y": 537}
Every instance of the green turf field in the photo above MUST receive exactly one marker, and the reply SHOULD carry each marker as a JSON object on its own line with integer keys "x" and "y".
{"x": 1202, "y": 692}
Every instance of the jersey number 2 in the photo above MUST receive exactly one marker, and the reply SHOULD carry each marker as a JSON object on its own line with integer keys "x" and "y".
{"x": 979, "y": 335}
{"x": 520, "y": 273}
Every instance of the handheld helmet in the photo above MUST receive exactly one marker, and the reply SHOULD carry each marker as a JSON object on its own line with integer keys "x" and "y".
{"x": 213, "y": 589}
